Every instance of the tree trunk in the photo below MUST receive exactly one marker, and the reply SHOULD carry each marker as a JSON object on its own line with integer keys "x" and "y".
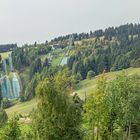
{"x": 125, "y": 135}
{"x": 129, "y": 131}
{"x": 111, "y": 131}
{"x": 97, "y": 136}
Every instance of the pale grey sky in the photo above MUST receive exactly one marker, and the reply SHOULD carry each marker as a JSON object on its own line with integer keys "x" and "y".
{"x": 27, "y": 21}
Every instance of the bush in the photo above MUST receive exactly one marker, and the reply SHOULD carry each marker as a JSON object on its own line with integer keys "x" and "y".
{"x": 136, "y": 63}
{"x": 12, "y": 129}
{"x": 90, "y": 74}
{"x": 7, "y": 103}
{"x": 3, "y": 117}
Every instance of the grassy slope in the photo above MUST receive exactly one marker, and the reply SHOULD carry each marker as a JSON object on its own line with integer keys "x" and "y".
{"x": 22, "y": 108}
{"x": 88, "y": 86}
{"x": 56, "y": 61}
{"x": 84, "y": 86}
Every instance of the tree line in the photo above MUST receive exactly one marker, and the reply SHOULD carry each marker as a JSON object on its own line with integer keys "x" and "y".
{"x": 108, "y": 33}
{"x": 7, "y": 47}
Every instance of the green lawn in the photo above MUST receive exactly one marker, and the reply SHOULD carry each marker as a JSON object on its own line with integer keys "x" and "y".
{"x": 87, "y": 86}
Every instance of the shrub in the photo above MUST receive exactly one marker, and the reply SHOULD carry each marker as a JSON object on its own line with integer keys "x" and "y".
{"x": 90, "y": 74}
{"x": 3, "y": 117}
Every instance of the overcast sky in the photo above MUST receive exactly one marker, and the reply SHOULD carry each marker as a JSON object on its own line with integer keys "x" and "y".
{"x": 27, "y": 21}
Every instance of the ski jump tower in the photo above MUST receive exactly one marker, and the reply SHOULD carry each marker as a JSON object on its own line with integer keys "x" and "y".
{"x": 67, "y": 49}
{"x": 9, "y": 89}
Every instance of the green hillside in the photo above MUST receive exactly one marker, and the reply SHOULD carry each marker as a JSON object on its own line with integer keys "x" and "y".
{"x": 22, "y": 108}
{"x": 85, "y": 86}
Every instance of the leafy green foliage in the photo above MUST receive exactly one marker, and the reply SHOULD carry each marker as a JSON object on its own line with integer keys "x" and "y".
{"x": 12, "y": 130}
{"x": 122, "y": 101}
{"x": 114, "y": 109}
{"x": 57, "y": 117}
{"x": 95, "y": 116}
{"x": 3, "y": 117}
{"x": 90, "y": 74}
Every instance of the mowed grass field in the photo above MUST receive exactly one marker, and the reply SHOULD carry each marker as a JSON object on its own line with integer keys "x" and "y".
{"x": 85, "y": 86}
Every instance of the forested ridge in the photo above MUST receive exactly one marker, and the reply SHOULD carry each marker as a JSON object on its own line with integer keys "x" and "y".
{"x": 119, "y": 32}
{"x": 7, "y": 47}
{"x": 110, "y": 50}
{"x": 109, "y": 112}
